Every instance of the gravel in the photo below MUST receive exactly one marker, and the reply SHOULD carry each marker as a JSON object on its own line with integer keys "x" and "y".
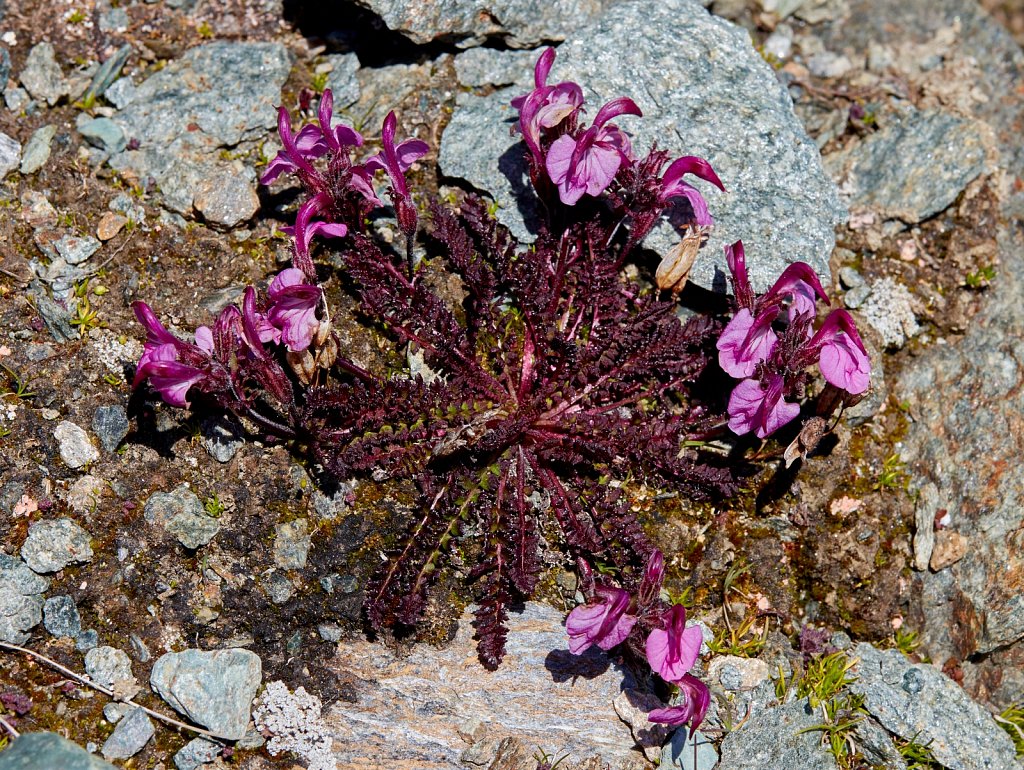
{"x": 132, "y": 733}
{"x": 60, "y": 617}
{"x": 214, "y": 689}
{"x": 21, "y": 599}
{"x": 107, "y": 665}
{"x": 37, "y": 150}
{"x": 110, "y": 424}
{"x": 75, "y": 249}
{"x": 53, "y": 544}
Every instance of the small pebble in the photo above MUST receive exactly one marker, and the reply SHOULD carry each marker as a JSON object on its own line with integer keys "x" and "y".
{"x": 110, "y": 224}
{"x": 10, "y": 154}
{"x": 110, "y": 424}
{"x": 87, "y": 640}
{"x": 60, "y": 617}
{"x": 857, "y": 296}
{"x": 53, "y": 544}
{"x": 198, "y": 751}
{"x": 850, "y": 278}
{"x": 131, "y": 734}
{"x": 75, "y": 447}
{"x": 37, "y": 150}
{"x": 106, "y": 665}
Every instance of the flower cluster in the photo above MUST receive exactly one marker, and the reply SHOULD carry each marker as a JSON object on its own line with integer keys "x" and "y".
{"x": 671, "y": 648}
{"x": 770, "y": 342}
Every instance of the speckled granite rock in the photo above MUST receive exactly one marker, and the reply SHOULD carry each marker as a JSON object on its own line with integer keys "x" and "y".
{"x": 518, "y": 23}
{"x": 430, "y": 707}
{"x": 777, "y": 738}
{"x": 704, "y": 91}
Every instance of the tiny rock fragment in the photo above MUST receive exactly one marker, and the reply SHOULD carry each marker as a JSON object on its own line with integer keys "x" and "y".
{"x": 110, "y": 225}
{"x": 950, "y": 547}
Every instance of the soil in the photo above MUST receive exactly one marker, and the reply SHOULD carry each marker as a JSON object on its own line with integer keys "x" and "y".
{"x": 826, "y": 542}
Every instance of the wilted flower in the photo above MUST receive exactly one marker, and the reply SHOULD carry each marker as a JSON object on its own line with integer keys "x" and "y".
{"x": 589, "y": 163}
{"x": 605, "y": 622}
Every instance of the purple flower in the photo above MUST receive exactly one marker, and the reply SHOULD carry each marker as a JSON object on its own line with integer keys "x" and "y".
{"x": 168, "y": 376}
{"x": 589, "y": 163}
{"x": 673, "y": 650}
{"x": 696, "y": 699}
{"x": 395, "y": 160}
{"x": 156, "y": 334}
{"x": 736, "y": 259}
{"x": 312, "y": 142}
{"x": 844, "y": 361}
{"x": 673, "y": 186}
{"x": 605, "y": 622}
{"x": 746, "y": 341}
{"x": 545, "y": 107}
{"x": 760, "y": 409}
{"x": 306, "y": 227}
{"x": 293, "y": 305}
{"x": 799, "y": 284}
{"x": 650, "y": 584}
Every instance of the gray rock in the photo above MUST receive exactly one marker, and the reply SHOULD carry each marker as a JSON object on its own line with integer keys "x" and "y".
{"x": 182, "y": 514}
{"x": 75, "y": 249}
{"x": 107, "y": 665}
{"x": 918, "y": 701}
{"x": 222, "y": 438}
{"x": 131, "y": 734}
{"x": 21, "y": 599}
{"x": 42, "y": 76}
{"x": 114, "y": 20}
{"x": 291, "y": 545}
{"x": 728, "y": 108}
{"x": 877, "y": 746}
{"x": 87, "y": 640}
{"x": 103, "y": 133}
{"x": 519, "y": 23}
{"x": 53, "y": 544}
{"x": 227, "y": 197}
{"x": 16, "y": 99}
{"x": 850, "y": 278}
{"x": 331, "y": 504}
{"x": 5, "y": 65}
{"x": 214, "y": 689}
{"x": 404, "y": 705}
{"x": 10, "y": 154}
{"x": 48, "y": 751}
{"x": 107, "y": 73}
{"x": 488, "y": 67}
{"x": 216, "y": 95}
{"x": 114, "y": 712}
{"x": 330, "y": 632}
{"x": 60, "y": 616}
{"x": 37, "y": 150}
{"x": 110, "y": 424}
{"x": 197, "y": 752}
{"x": 279, "y": 588}
{"x": 857, "y": 296}
{"x": 914, "y": 167}
{"x": 342, "y": 79}
{"x": 829, "y": 65}
{"x": 889, "y": 310}
{"x": 74, "y": 445}
{"x": 773, "y": 737}
{"x": 679, "y": 751}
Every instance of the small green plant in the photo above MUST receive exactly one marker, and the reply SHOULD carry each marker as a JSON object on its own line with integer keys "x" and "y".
{"x": 1012, "y": 720}
{"x": 320, "y": 81}
{"x": 85, "y": 318}
{"x": 981, "y": 277}
{"x": 918, "y": 756}
{"x": 825, "y": 676}
{"x": 743, "y": 641}
{"x": 77, "y": 16}
{"x": 842, "y": 715}
{"x": 18, "y": 386}
{"x": 544, "y": 760}
{"x": 112, "y": 379}
{"x": 4, "y": 432}
{"x": 907, "y": 641}
{"x": 204, "y": 30}
{"x": 893, "y": 474}
{"x": 213, "y": 506}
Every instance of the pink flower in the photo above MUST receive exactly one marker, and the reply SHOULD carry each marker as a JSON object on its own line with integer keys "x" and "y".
{"x": 799, "y": 284}
{"x": 673, "y": 186}
{"x": 673, "y": 650}
{"x": 293, "y": 305}
{"x": 746, "y": 341}
{"x": 306, "y": 227}
{"x": 696, "y": 699}
{"x": 844, "y": 361}
{"x": 395, "y": 160}
{"x": 169, "y": 377}
{"x": 759, "y": 409}
{"x": 589, "y": 163}
{"x": 605, "y": 622}
{"x": 545, "y": 107}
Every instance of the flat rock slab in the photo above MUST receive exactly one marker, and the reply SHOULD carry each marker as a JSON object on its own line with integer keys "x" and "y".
{"x": 919, "y": 702}
{"x": 49, "y": 751}
{"x": 215, "y": 689}
{"x": 777, "y": 738}
{"x": 705, "y": 91}
{"x": 413, "y": 710}
{"x": 913, "y": 167}
{"x": 518, "y": 23}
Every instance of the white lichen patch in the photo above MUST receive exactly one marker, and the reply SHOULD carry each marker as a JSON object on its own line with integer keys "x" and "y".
{"x": 889, "y": 309}
{"x": 116, "y": 352}
{"x": 294, "y": 724}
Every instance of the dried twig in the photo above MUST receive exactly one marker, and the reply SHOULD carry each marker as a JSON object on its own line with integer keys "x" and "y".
{"x": 105, "y": 690}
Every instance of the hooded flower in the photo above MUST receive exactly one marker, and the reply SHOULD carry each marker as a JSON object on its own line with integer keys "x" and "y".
{"x": 760, "y": 409}
{"x": 589, "y": 163}
{"x": 395, "y": 160}
{"x": 604, "y": 622}
{"x": 293, "y": 305}
{"x": 746, "y": 341}
{"x": 306, "y": 227}
{"x": 545, "y": 107}
{"x": 168, "y": 376}
{"x": 673, "y": 186}
{"x": 673, "y": 650}
{"x": 799, "y": 285}
{"x": 843, "y": 359}
{"x": 696, "y": 699}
